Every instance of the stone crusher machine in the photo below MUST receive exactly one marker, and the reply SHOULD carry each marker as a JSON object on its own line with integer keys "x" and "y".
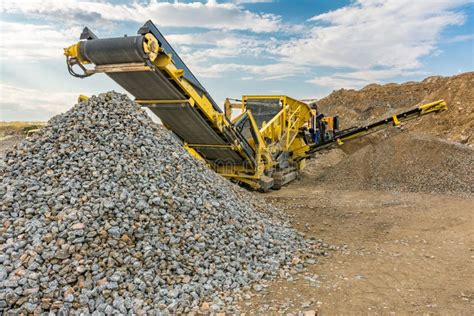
{"x": 264, "y": 146}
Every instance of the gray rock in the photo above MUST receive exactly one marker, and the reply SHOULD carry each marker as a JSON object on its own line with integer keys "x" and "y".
{"x": 114, "y": 231}
{"x": 109, "y": 310}
{"x": 119, "y": 303}
{"x": 12, "y": 283}
{"x": 257, "y": 287}
{"x": 69, "y": 298}
{"x": 109, "y": 204}
{"x": 3, "y": 273}
{"x": 135, "y": 219}
{"x": 3, "y": 258}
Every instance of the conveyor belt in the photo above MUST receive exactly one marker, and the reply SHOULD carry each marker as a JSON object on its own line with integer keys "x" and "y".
{"x": 182, "y": 118}
{"x": 186, "y": 122}
{"x": 358, "y": 131}
{"x": 147, "y": 85}
{"x": 114, "y": 50}
{"x": 143, "y": 85}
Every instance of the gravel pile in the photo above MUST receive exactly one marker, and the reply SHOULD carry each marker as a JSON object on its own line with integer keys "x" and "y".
{"x": 406, "y": 162}
{"x": 104, "y": 211}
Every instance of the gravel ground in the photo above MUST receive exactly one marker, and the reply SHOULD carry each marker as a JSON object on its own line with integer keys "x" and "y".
{"x": 406, "y": 162}
{"x": 6, "y": 144}
{"x": 104, "y": 212}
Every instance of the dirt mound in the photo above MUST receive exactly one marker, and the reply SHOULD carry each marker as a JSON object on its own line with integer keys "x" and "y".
{"x": 406, "y": 162}
{"x": 321, "y": 161}
{"x": 378, "y": 101}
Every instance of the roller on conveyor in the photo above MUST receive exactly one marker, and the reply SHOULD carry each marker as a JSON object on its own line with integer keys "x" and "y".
{"x": 264, "y": 146}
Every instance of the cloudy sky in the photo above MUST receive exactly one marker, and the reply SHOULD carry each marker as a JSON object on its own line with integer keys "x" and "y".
{"x": 304, "y": 48}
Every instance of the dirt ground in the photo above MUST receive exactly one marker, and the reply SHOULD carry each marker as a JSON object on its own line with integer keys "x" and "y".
{"x": 400, "y": 253}
{"x": 396, "y": 252}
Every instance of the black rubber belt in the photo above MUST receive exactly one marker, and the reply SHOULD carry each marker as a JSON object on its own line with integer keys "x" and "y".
{"x": 182, "y": 118}
{"x": 144, "y": 85}
{"x": 189, "y": 125}
{"x": 114, "y": 50}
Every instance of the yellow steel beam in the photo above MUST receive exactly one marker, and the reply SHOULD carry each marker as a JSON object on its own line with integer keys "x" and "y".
{"x": 433, "y": 106}
{"x": 165, "y": 63}
{"x": 396, "y": 122}
{"x": 164, "y": 101}
{"x": 229, "y": 106}
{"x": 283, "y": 128}
{"x": 211, "y": 146}
{"x": 193, "y": 152}
{"x": 129, "y": 67}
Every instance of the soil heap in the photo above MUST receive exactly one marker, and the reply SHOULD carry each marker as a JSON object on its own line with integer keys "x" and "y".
{"x": 406, "y": 162}
{"x": 104, "y": 211}
{"x": 376, "y": 102}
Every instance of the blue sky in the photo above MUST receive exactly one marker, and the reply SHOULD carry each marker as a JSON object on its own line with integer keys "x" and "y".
{"x": 304, "y": 48}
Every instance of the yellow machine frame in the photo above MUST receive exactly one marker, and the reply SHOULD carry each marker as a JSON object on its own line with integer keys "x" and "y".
{"x": 280, "y": 135}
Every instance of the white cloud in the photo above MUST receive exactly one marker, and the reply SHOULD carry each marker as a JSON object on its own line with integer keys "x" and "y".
{"x": 209, "y": 47}
{"x": 18, "y": 100}
{"x": 364, "y": 35}
{"x": 379, "y": 74}
{"x": 358, "y": 79}
{"x": 338, "y": 81}
{"x": 251, "y": 1}
{"x": 460, "y": 38}
{"x": 212, "y": 15}
{"x": 263, "y": 72}
{"x": 31, "y": 42}
{"x": 378, "y": 40}
{"x": 209, "y": 55}
{"x": 371, "y": 33}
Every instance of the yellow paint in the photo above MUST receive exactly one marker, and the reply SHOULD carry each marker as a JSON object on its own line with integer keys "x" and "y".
{"x": 281, "y": 134}
{"x": 439, "y": 105}
{"x": 329, "y": 120}
{"x": 151, "y": 46}
{"x": 73, "y": 51}
{"x": 82, "y": 98}
{"x": 396, "y": 122}
{"x": 161, "y": 101}
{"x": 193, "y": 152}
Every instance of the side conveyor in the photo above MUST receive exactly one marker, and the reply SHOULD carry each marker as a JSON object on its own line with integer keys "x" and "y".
{"x": 356, "y": 132}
